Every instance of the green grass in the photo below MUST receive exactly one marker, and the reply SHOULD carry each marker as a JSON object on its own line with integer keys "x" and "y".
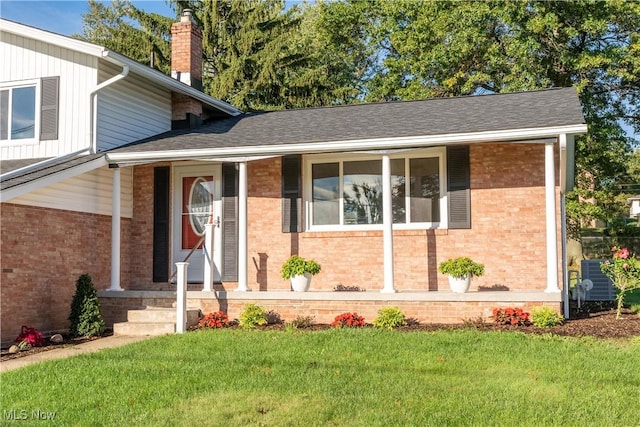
{"x": 632, "y": 298}
{"x": 364, "y": 377}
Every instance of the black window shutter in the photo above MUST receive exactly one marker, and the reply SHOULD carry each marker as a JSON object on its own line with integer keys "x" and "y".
{"x": 161, "y": 224}
{"x": 49, "y": 108}
{"x": 458, "y": 187}
{"x": 291, "y": 194}
{"x": 230, "y": 222}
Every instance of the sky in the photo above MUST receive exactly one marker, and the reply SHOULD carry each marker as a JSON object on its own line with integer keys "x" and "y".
{"x": 64, "y": 16}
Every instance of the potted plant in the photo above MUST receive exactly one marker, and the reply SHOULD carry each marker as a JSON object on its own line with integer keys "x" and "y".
{"x": 299, "y": 271}
{"x": 460, "y": 271}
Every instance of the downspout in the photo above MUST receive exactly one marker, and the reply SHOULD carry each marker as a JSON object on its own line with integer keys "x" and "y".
{"x": 93, "y": 148}
{"x": 566, "y": 145}
{"x": 565, "y": 270}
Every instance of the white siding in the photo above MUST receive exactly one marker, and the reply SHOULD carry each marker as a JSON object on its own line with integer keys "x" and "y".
{"x": 90, "y": 192}
{"x": 130, "y": 109}
{"x": 33, "y": 59}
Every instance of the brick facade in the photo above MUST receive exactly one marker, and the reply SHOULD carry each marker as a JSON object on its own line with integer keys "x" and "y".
{"x": 507, "y": 233}
{"x": 44, "y": 251}
{"x": 41, "y": 264}
{"x": 324, "y": 307}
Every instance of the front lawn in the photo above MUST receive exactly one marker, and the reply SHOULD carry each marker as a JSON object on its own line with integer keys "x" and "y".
{"x": 361, "y": 377}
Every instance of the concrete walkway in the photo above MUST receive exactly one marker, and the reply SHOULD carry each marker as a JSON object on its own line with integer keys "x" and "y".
{"x": 59, "y": 353}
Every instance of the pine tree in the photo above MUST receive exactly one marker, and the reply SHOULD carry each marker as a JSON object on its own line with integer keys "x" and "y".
{"x": 85, "y": 316}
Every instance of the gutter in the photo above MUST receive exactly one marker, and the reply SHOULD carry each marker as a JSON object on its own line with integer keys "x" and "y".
{"x": 523, "y": 135}
{"x": 93, "y": 103}
{"x": 41, "y": 164}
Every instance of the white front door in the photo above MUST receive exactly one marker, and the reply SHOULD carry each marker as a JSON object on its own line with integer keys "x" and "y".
{"x": 197, "y": 201}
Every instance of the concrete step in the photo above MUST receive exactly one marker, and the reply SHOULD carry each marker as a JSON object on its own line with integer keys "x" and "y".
{"x": 159, "y": 314}
{"x": 153, "y": 321}
{"x": 143, "y": 329}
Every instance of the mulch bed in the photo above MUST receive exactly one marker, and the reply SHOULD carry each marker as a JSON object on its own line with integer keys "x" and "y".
{"x": 598, "y": 324}
{"x": 48, "y": 345}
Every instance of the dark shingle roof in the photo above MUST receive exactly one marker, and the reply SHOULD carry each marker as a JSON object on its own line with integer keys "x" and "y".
{"x": 438, "y": 116}
{"x": 11, "y": 165}
{"x": 41, "y": 172}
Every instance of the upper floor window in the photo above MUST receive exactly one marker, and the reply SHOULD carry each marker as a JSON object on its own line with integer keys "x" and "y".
{"x": 345, "y": 194}
{"x": 18, "y": 113}
{"x": 29, "y": 110}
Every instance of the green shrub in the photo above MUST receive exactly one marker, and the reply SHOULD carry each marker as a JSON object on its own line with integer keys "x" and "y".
{"x": 273, "y": 318}
{"x": 389, "y": 318}
{"x": 296, "y": 265}
{"x": 461, "y": 267}
{"x": 302, "y": 322}
{"x": 85, "y": 316}
{"x": 252, "y": 315}
{"x": 544, "y": 317}
{"x": 635, "y": 308}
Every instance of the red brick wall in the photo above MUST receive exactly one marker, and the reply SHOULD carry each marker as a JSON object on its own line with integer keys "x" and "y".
{"x": 186, "y": 48}
{"x": 186, "y": 57}
{"x": 507, "y": 234}
{"x": 324, "y": 310}
{"x": 43, "y": 252}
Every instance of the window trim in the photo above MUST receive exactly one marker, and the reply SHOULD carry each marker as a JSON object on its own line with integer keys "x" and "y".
{"x": 340, "y": 158}
{"x": 37, "y": 83}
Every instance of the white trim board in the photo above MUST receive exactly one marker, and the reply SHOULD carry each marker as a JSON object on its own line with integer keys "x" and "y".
{"x": 515, "y": 135}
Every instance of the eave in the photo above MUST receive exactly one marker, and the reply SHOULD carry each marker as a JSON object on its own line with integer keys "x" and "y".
{"x": 514, "y": 135}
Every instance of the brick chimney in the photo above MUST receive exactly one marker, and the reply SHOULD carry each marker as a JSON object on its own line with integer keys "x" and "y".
{"x": 186, "y": 66}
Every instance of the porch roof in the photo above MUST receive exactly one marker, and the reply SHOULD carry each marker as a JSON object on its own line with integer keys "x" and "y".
{"x": 280, "y": 131}
{"x": 20, "y": 175}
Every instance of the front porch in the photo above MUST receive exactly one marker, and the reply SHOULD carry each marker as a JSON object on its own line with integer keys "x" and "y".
{"x": 424, "y": 306}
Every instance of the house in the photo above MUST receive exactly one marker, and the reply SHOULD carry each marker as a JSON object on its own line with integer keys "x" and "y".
{"x": 634, "y": 207}
{"x": 378, "y": 194}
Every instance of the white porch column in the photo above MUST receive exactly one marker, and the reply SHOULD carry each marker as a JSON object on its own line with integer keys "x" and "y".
{"x": 551, "y": 223}
{"x": 181, "y": 296}
{"x": 387, "y": 225}
{"x": 208, "y": 257}
{"x": 115, "y": 232}
{"x": 242, "y": 227}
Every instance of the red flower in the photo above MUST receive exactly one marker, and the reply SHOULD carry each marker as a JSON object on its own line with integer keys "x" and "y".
{"x": 351, "y": 320}
{"x": 624, "y": 253}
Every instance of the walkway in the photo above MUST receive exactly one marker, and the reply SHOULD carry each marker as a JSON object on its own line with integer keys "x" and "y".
{"x": 59, "y": 353}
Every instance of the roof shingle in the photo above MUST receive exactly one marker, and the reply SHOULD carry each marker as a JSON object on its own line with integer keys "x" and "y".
{"x": 438, "y": 116}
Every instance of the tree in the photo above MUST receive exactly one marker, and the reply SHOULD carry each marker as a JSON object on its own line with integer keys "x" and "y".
{"x": 263, "y": 55}
{"x": 255, "y": 54}
{"x": 85, "y": 316}
{"x": 123, "y": 28}
{"x": 448, "y": 48}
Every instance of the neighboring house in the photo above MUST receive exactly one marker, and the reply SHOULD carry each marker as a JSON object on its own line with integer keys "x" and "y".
{"x": 634, "y": 207}
{"x": 378, "y": 194}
